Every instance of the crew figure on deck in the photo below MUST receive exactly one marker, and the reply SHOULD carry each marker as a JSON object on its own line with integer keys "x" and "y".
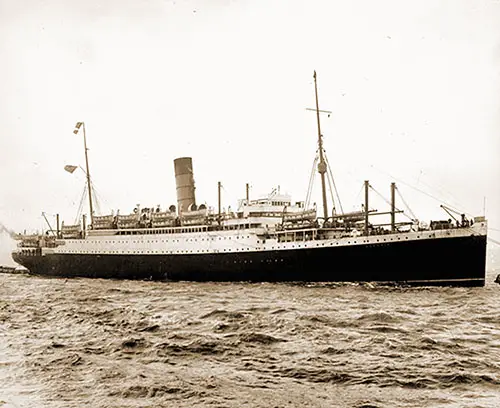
{"x": 465, "y": 221}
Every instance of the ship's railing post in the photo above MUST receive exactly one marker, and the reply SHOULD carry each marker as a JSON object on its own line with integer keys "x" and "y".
{"x": 84, "y": 226}
{"x": 393, "y": 207}
{"x": 219, "y": 187}
{"x": 367, "y": 186}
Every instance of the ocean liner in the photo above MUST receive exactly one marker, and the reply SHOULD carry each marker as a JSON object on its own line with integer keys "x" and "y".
{"x": 266, "y": 239}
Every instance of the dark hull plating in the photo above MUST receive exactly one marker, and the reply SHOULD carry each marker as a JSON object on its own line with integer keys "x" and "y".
{"x": 422, "y": 262}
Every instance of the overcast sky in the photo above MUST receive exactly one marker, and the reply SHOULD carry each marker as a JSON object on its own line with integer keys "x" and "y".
{"x": 414, "y": 87}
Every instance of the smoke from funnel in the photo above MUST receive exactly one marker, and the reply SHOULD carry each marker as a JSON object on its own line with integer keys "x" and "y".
{"x": 7, "y": 244}
{"x": 11, "y": 233}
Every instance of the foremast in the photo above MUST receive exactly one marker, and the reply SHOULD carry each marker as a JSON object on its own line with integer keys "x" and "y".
{"x": 89, "y": 186}
{"x": 322, "y": 167}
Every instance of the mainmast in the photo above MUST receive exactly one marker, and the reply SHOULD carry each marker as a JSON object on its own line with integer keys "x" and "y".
{"x": 321, "y": 165}
{"x": 78, "y": 125}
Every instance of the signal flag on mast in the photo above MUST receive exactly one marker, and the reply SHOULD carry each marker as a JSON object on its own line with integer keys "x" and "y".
{"x": 70, "y": 169}
{"x": 77, "y": 127}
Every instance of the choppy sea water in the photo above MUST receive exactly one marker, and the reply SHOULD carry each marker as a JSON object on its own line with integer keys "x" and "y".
{"x": 108, "y": 343}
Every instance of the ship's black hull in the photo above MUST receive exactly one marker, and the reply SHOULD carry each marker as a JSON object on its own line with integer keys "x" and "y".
{"x": 456, "y": 261}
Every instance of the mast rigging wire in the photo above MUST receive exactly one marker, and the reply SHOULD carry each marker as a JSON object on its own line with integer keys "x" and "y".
{"x": 417, "y": 189}
{"x": 97, "y": 204}
{"x": 330, "y": 182}
{"x": 80, "y": 207}
{"x": 382, "y": 197}
{"x": 359, "y": 192}
{"x": 397, "y": 209}
{"x": 330, "y": 175}
{"x": 311, "y": 181}
{"x": 415, "y": 218}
